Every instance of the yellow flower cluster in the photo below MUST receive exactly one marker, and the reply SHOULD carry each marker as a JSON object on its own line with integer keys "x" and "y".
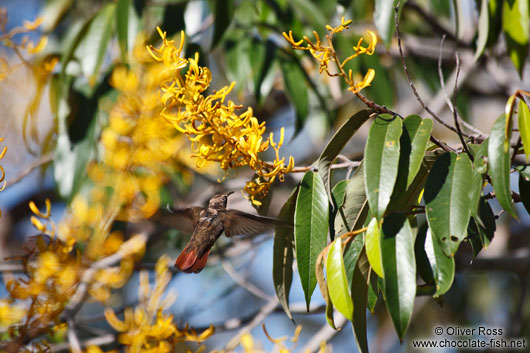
{"x": 7, "y": 39}
{"x": 52, "y": 276}
{"x": 325, "y": 53}
{"x": 218, "y": 133}
{"x": 146, "y": 328}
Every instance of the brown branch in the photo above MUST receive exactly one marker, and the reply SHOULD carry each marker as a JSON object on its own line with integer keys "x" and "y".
{"x": 82, "y": 289}
{"x": 409, "y": 77}
{"x": 261, "y": 315}
{"x": 42, "y": 160}
{"x": 455, "y": 113}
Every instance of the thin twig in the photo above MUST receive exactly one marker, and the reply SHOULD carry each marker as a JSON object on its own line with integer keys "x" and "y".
{"x": 231, "y": 271}
{"x": 82, "y": 289}
{"x": 455, "y": 113}
{"x": 44, "y": 159}
{"x": 261, "y": 315}
{"x": 350, "y": 164}
{"x": 409, "y": 77}
{"x": 75, "y": 346}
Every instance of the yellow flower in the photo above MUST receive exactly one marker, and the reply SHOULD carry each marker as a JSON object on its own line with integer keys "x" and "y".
{"x": 211, "y": 121}
{"x": 10, "y": 314}
{"x": 147, "y": 328}
{"x": 325, "y": 54}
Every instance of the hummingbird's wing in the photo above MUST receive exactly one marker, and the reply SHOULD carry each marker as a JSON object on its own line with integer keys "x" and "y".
{"x": 183, "y": 219}
{"x": 241, "y": 223}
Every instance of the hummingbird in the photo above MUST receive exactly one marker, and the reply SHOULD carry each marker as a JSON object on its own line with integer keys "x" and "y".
{"x": 207, "y": 225}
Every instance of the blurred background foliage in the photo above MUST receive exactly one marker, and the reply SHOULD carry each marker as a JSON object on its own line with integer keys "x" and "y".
{"x": 58, "y": 103}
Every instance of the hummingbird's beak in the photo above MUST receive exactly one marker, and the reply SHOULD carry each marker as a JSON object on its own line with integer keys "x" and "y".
{"x": 229, "y": 193}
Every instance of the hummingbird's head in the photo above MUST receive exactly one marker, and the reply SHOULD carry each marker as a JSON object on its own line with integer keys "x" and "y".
{"x": 220, "y": 200}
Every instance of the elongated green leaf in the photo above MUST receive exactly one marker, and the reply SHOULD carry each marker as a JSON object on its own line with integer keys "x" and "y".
{"x": 447, "y": 203}
{"x": 351, "y": 255}
{"x": 311, "y": 229}
{"x": 52, "y": 12}
{"x": 483, "y": 29}
{"x": 524, "y": 187}
{"x": 516, "y": 27}
{"x": 322, "y": 285}
{"x": 282, "y": 258}
{"x": 359, "y": 291}
{"x": 122, "y": 27}
{"x": 372, "y": 297}
{"x": 384, "y": 18}
{"x": 480, "y": 167}
{"x": 93, "y": 47}
{"x": 339, "y": 291}
{"x": 413, "y": 166}
{"x": 337, "y": 197}
{"x": 418, "y": 132}
{"x": 309, "y": 12}
{"x": 373, "y": 246}
{"x": 381, "y": 159}
{"x": 263, "y": 56}
{"x": 399, "y": 268}
{"x": 296, "y": 87}
{"x": 499, "y": 164}
{"x": 523, "y": 121}
{"x": 423, "y": 263}
{"x": 355, "y": 208}
{"x": 337, "y": 143}
{"x": 237, "y": 59}
{"x": 223, "y": 13}
{"x": 482, "y": 227}
{"x": 442, "y": 266}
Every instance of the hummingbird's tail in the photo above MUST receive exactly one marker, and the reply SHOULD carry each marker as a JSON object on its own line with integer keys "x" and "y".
{"x": 189, "y": 261}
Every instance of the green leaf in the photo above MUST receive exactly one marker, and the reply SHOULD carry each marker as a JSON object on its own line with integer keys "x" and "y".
{"x": 373, "y": 246}
{"x": 337, "y": 280}
{"x": 70, "y": 160}
{"x": 384, "y": 18}
{"x": 262, "y": 56}
{"x": 311, "y": 229}
{"x": 351, "y": 255}
{"x": 483, "y": 29}
{"x": 321, "y": 280}
{"x": 223, "y": 13}
{"x": 523, "y": 121}
{"x": 499, "y": 164}
{"x": 516, "y": 27}
{"x": 309, "y": 12}
{"x": 418, "y": 132}
{"x": 422, "y": 260}
{"x": 442, "y": 266}
{"x": 355, "y": 207}
{"x": 337, "y": 197}
{"x": 237, "y": 59}
{"x": 447, "y": 203}
{"x": 524, "y": 187}
{"x": 52, "y": 12}
{"x": 122, "y": 27}
{"x": 93, "y": 47}
{"x": 480, "y": 167}
{"x": 359, "y": 290}
{"x": 381, "y": 159}
{"x": 337, "y": 143}
{"x": 282, "y": 258}
{"x": 482, "y": 227}
{"x": 296, "y": 87}
{"x": 399, "y": 268}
